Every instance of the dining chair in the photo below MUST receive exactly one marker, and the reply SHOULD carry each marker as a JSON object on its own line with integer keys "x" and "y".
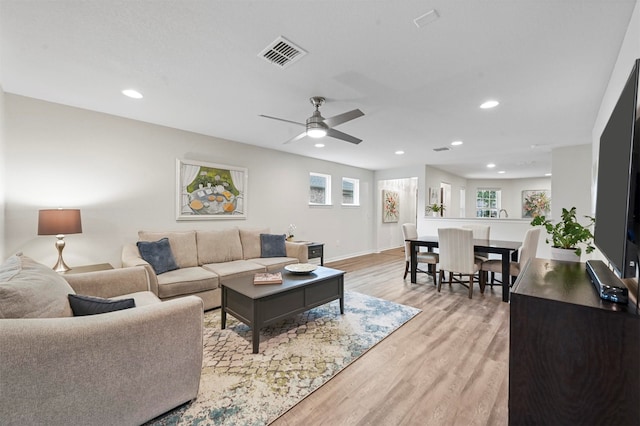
{"x": 409, "y": 231}
{"x": 527, "y": 251}
{"x": 457, "y": 257}
{"x": 480, "y": 232}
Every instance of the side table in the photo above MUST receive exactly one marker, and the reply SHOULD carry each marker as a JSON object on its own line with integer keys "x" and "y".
{"x": 316, "y": 250}
{"x": 88, "y": 268}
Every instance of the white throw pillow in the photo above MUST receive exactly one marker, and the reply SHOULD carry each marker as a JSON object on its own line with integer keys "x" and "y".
{"x": 29, "y": 289}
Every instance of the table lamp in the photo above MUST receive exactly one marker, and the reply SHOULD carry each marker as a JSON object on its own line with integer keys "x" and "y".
{"x": 59, "y": 222}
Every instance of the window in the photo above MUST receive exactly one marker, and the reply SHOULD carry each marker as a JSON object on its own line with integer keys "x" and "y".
{"x": 319, "y": 189}
{"x": 350, "y": 192}
{"x": 488, "y": 202}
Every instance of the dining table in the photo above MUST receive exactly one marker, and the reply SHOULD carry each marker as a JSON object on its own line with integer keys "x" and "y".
{"x": 508, "y": 250}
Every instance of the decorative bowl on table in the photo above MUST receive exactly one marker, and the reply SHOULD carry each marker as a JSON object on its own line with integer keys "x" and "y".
{"x": 301, "y": 268}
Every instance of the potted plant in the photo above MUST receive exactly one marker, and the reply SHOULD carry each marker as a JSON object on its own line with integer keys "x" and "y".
{"x": 568, "y": 233}
{"x": 436, "y": 209}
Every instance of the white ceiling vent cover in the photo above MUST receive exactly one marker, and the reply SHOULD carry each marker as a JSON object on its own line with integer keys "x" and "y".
{"x": 282, "y": 53}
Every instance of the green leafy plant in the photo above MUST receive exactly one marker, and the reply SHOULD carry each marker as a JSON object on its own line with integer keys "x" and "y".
{"x": 435, "y": 207}
{"x": 568, "y": 232}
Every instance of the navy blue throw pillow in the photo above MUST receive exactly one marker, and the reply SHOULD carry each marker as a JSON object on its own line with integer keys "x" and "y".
{"x": 158, "y": 254}
{"x": 89, "y": 305}
{"x": 272, "y": 245}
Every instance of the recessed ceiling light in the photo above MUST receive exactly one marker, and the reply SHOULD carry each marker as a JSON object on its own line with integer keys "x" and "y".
{"x": 502, "y": 172}
{"x": 456, "y": 143}
{"x": 491, "y": 165}
{"x": 134, "y": 94}
{"x": 547, "y": 174}
{"x": 319, "y": 145}
{"x": 399, "y": 152}
{"x": 489, "y": 104}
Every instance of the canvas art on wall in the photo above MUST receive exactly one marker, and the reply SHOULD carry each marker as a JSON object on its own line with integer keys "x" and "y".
{"x": 210, "y": 191}
{"x": 536, "y": 202}
{"x": 433, "y": 195}
{"x": 390, "y": 206}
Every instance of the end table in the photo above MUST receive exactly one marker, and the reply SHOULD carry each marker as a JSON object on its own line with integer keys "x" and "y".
{"x": 88, "y": 268}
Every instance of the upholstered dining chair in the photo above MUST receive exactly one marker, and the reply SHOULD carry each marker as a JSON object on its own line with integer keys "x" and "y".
{"x": 480, "y": 232}
{"x": 409, "y": 231}
{"x": 456, "y": 257}
{"x": 527, "y": 251}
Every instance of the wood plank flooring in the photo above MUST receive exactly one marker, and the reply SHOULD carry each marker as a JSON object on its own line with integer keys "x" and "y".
{"x": 447, "y": 366}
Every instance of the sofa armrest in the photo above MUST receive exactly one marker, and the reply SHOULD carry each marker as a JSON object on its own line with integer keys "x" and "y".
{"x": 299, "y": 250}
{"x": 111, "y": 282}
{"x": 131, "y": 257}
{"x": 124, "y": 367}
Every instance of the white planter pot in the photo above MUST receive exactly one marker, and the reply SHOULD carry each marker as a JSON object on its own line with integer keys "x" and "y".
{"x": 568, "y": 255}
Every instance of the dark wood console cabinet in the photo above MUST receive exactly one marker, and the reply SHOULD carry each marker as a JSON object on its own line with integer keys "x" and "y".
{"x": 574, "y": 359}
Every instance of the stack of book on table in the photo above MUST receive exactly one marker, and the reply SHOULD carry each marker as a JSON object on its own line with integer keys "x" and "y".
{"x": 268, "y": 278}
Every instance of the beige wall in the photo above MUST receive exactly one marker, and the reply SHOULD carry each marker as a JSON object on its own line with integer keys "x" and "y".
{"x": 571, "y": 180}
{"x": 121, "y": 173}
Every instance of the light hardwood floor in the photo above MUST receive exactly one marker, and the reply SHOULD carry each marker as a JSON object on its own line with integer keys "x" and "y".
{"x": 447, "y": 366}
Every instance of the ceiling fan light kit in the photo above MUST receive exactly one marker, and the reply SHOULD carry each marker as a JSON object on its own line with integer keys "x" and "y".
{"x": 316, "y": 131}
{"x": 317, "y": 126}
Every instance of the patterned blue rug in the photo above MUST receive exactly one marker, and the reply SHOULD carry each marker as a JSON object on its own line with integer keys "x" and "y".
{"x": 296, "y": 357}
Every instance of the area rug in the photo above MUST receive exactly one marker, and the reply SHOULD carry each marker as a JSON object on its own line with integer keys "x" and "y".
{"x": 297, "y": 356}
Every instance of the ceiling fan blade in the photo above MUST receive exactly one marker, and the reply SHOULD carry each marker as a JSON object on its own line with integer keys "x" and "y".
{"x": 297, "y": 138}
{"x": 282, "y": 119}
{"x": 343, "y": 118}
{"x": 343, "y": 136}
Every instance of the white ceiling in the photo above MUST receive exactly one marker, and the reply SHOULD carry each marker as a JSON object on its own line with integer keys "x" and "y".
{"x": 197, "y": 64}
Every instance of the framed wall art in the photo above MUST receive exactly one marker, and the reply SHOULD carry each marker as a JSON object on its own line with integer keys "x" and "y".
{"x": 433, "y": 195}
{"x": 390, "y": 206}
{"x": 210, "y": 191}
{"x": 536, "y": 202}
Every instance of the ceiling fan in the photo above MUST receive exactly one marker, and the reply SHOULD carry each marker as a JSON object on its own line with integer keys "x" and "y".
{"x": 317, "y": 126}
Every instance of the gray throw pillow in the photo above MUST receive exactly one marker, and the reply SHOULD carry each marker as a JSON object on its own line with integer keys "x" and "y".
{"x": 29, "y": 289}
{"x": 89, "y": 305}
{"x": 158, "y": 254}
{"x": 272, "y": 245}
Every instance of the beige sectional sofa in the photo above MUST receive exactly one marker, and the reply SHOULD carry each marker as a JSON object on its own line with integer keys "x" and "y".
{"x": 204, "y": 257}
{"x": 124, "y": 367}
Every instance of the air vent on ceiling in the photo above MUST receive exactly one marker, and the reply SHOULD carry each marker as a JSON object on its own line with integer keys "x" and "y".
{"x": 282, "y": 53}
{"x": 444, "y": 148}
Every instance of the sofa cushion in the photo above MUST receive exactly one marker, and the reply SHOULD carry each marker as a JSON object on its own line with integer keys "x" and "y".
{"x": 250, "y": 239}
{"x": 89, "y": 305}
{"x": 186, "y": 281}
{"x": 218, "y": 246}
{"x": 272, "y": 245}
{"x": 235, "y": 268}
{"x": 141, "y": 298}
{"x": 274, "y": 263}
{"x": 183, "y": 245}
{"x": 29, "y": 289}
{"x": 158, "y": 254}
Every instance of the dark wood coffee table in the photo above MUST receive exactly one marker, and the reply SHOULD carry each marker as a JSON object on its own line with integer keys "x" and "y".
{"x": 264, "y": 304}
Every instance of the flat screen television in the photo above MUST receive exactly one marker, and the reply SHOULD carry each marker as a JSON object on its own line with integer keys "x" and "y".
{"x": 617, "y": 225}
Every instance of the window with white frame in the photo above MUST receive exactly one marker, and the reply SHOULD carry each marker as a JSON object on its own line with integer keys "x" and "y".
{"x": 488, "y": 202}
{"x": 350, "y": 192}
{"x": 319, "y": 189}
